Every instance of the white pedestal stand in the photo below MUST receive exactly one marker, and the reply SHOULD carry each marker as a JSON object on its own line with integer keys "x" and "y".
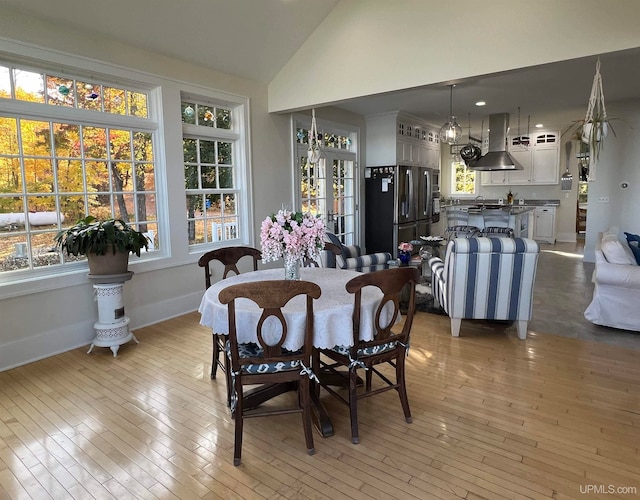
{"x": 112, "y": 327}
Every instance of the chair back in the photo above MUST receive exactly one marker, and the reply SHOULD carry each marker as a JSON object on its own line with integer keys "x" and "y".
{"x": 457, "y": 217}
{"x": 391, "y": 283}
{"x": 272, "y": 329}
{"x": 229, "y": 257}
{"x": 490, "y": 278}
{"x": 495, "y": 217}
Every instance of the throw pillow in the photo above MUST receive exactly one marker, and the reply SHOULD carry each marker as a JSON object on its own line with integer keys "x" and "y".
{"x": 635, "y": 248}
{"x": 615, "y": 251}
{"x": 632, "y": 237}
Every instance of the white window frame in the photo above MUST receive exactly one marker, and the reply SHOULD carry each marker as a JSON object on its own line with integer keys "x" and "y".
{"x": 164, "y": 97}
{"x": 242, "y": 180}
{"x": 452, "y": 180}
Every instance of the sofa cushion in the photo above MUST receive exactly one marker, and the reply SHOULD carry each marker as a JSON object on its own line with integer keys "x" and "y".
{"x": 615, "y": 251}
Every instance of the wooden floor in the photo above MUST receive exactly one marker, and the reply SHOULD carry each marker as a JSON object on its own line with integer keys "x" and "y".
{"x": 493, "y": 417}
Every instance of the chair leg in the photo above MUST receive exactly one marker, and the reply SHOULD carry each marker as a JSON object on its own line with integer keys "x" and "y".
{"x": 368, "y": 378}
{"x": 227, "y": 373}
{"x": 239, "y": 417}
{"x": 522, "y": 329}
{"x": 402, "y": 387}
{"x": 455, "y": 326}
{"x": 305, "y": 396}
{"x": 353, "y": 404}
{"x": 214, "y": 356}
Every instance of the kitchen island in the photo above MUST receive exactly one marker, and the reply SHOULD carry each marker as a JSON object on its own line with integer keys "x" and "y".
{"x": 520, "y": 217}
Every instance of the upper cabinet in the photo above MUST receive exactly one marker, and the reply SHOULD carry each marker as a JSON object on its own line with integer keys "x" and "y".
{"x": 538, "y": 153}
{"x": 397, "y": 138}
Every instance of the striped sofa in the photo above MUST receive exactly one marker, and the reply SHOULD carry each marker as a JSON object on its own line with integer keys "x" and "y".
{"x": 353, "y": 259}
{"x": 486, "y": 278}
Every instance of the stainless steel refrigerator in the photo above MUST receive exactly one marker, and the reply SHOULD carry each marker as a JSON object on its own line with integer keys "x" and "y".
{"x": 398, "y": 206}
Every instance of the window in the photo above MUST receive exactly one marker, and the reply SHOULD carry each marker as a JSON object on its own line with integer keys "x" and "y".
{"x": 70, "y": 146}
{"x": 212, "y": 175}
{"x": 328, "y": 188}
{"x": 463, "y": 179}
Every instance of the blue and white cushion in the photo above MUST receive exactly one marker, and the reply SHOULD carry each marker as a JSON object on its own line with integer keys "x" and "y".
{"x": 252, "y": 350}
{"x": 352, "y": 258}
{"x": 366, "y": 351}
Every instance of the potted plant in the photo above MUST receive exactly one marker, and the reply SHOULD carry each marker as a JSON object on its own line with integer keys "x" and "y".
{"x": 106, "y": 243}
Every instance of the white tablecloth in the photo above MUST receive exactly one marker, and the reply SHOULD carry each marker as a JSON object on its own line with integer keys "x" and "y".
{"x": 332, "y": 311}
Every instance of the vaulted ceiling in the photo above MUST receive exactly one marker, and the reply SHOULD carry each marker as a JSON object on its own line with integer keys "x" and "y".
{"x": 254, "y": 39}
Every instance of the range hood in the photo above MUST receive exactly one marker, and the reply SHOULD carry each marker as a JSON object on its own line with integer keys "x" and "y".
{"x": 497, "y": 158}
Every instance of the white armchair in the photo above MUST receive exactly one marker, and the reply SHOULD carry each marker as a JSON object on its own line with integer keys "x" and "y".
{"x": 352, "y": 258}
{"x": 486, "y": 278}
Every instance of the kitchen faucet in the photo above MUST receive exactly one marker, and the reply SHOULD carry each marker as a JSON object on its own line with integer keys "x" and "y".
{"x": 479, "y": 198}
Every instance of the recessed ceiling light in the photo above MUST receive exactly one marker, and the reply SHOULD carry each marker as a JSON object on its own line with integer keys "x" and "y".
{"x": 539, "y": 125}
{"x": 480, "y": 103}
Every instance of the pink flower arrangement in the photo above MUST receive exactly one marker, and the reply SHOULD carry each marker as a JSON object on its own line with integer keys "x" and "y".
{"x": 405, "y": 247}
{"x": 292, "y": 235}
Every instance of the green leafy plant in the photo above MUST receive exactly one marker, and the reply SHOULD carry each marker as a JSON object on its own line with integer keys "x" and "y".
{"x": 90, "y": 235}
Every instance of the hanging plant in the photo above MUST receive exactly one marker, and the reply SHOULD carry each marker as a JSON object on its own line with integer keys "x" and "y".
{"x": 596, "y": 123}
{"x": 313, "y": 153}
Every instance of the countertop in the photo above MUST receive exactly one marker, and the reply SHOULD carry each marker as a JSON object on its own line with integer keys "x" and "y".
{"x": 470, "y": 202}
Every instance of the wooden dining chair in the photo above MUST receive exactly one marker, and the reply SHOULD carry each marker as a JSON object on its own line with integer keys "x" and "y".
{"x": 266, "y": 361}
{"x": 389, "y": 345}
{"x": 229, "y": 257}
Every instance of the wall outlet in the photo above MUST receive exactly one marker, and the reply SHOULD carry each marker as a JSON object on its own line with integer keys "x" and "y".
{"x": 520, "y": 201}
{"x": 500, "y": 201}
{"x": 603, "y": 199}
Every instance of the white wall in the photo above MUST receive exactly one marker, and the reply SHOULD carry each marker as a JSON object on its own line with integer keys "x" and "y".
{"x": 46, "y": 322}
{"x": 365, "y": 42}
{"x": 619, "y": 162}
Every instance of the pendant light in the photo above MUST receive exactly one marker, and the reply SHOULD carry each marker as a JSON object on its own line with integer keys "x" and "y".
{"x": 451, "y": 131}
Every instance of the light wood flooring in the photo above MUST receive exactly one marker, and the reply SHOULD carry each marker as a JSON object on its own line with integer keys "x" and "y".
{"x": 493, "y": 417}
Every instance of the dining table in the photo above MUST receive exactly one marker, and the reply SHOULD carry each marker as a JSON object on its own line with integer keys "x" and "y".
{"x": 332, "y": 321}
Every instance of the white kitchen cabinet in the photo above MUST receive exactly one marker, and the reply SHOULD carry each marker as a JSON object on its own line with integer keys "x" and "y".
{"x": 540, "y": 159}
{"x": 396, "y": 138}
{"x": 545, "y": 224}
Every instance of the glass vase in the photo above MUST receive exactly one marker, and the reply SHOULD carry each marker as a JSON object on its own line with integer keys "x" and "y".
{"x": 291, "y": 269}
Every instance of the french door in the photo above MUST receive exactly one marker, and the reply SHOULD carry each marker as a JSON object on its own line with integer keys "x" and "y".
{"x": 328, "y": 189}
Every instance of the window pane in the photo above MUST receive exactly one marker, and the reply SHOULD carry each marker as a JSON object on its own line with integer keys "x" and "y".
{"x": 138, "y": 104}
{"x": 5, "y": 82}
{"x": 66, "y": 140}
{"x": 29, "y": 86}
{"x": 124, "y": 207}
{"x": 191, "y": 176}
{"x": 10, "y": 176}
{"x": 143, "y": 146}
{"x": 39, "y": 175}
{"x": 120, "y": 144}
{"x": 60, "y": 91}
{"x": 114, "y": 100}
{"x": 9, "y": 136}
{"x": 145, "y": 177}
{"x": 89, "y": 95}
{"x": 188, "y": 110}
{"x": 224, "y": 153}
{"x": 35, "y": 138}
{"x": 72, "y": 208}
{"x": 223, "y": 118}
{"x": 226, "y": 177}
{"x": 121, "y": 176}
{"x": 206, "y": 116}
{"x": 207, "y": 151}
{"x": 190, "y": 150}
{"x": 209, "y": 177}
{"x": 97, "y": 176}
{"x": 94, "y": 142}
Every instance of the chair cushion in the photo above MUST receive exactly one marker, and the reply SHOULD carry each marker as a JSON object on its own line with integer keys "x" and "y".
{"x": 367, "y": 351}
{"x": 495, "y": 230}
{"x": 252, "y": 350}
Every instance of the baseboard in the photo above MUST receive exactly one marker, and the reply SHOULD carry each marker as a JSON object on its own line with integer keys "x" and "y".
{"x": 42, "y": 345}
